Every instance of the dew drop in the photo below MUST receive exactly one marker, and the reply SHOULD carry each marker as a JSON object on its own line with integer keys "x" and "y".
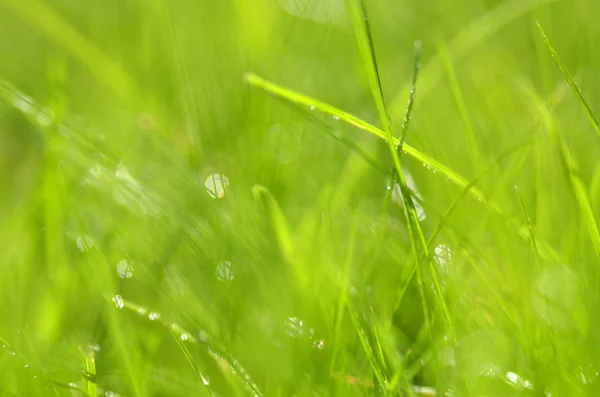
{"x": 84, "y": 243}
{"x": 312, "y": 107}
{"x": 184, "y": 336}
{"x": 142, "y": 311}
{"x": 118, "y": 299}
{"x": 124, "y": 269}
{"x": 154, "y": 316}
{"x": 443, "y": 257}
{"x": 335, "y": 117}
{"x": 216, "y": 185}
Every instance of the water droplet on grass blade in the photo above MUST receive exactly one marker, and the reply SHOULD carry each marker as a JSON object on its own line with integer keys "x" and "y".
{"x": 410, "y": 183}
{"x": 443, "y": 257}
{"x": 124, "y": 269}
{"x": 154, "y": 316}
{"x": 118, "y": 299}
{"x": 84, "y": 243}
{"x": 216, "y": 185}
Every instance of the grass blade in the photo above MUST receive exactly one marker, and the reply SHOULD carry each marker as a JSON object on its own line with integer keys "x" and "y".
{"x": 190, "y": 359}
{"x": 308, "y": 102}
{"x": 570, "y": 166}
{"x": 369, "y": 62}
{"x": 411, "y": 97}
{"x": 89, "y": 378}
{"x": 586, "y": 108}
{"x": 296, "y": 98}
{"x": 530, "y": 226}
{"x": 40, "y": 15}
{"x": 456, "y": 91}
{"x": 364, "y": 340}
{"x": 183, "y": 336}
{"x": 367, "y": 54}
{"x": 278, "y": 222}
{"x": 464, "y": 42}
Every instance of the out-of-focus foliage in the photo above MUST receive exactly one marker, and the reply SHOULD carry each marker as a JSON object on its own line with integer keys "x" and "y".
{"x": 169, "y": 230}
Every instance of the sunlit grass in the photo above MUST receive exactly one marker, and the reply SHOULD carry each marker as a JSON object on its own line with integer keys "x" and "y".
{"x": 232, "y": 198}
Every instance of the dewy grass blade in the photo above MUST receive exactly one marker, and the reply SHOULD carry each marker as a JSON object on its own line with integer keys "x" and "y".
{"x": 367, "y": 54}
{"x": 183, "y": 336}
{"x": 190, "y": 359}
{"x": 523, "y": 146}
{"x": 411, "y": 98}
{"x": 303, "y": 100}
{"x": 586, "y": 108}
{"x": 52, "y": 384}
{"x": 310, "y": 103}
{"x": 432, "y": 164}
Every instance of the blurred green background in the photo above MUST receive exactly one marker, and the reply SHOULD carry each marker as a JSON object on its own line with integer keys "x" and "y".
{"x": 130, "y": 145}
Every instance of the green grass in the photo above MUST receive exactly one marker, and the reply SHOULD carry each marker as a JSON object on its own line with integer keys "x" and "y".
{"x": 235, "y": 199}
